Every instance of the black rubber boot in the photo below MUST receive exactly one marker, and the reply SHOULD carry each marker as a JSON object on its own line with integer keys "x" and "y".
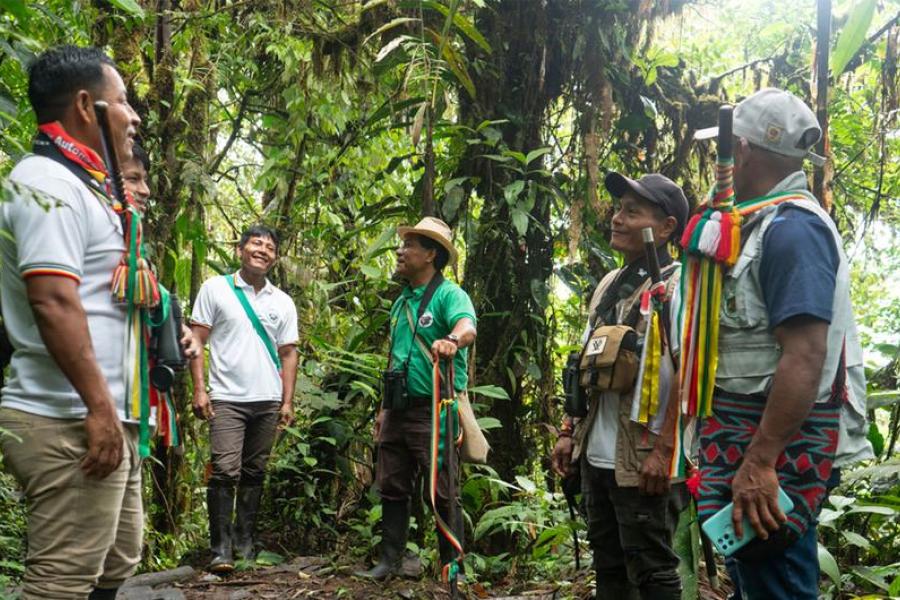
{"x": 220, "y": 502}
{"x": 103, "y": 594}
{"x": 394, "y": 529}
{"x": 248, "y": 498}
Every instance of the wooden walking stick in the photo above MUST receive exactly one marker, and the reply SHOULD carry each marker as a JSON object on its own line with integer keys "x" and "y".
{"x": 444, "y": 437}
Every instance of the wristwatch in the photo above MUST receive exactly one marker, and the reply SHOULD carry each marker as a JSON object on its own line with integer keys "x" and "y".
{"x": 453, "y": 338}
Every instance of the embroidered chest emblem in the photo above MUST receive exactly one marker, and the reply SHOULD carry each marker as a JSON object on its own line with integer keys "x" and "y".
{"x": 426, "y": 320}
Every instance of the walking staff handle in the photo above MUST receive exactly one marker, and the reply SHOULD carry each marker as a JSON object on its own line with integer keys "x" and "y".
{"x": 110, "y": 157}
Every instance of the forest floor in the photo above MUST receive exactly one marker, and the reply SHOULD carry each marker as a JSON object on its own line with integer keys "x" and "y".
{"x": 317, "y": 577}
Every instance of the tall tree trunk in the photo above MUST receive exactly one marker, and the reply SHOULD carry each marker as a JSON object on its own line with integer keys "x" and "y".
{"x": 506, "y": 272}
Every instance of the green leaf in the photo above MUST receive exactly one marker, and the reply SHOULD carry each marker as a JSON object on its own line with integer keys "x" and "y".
{"x": 649, "y": 107}
{"x": 452, "y": 201}
{"x": 460, "y": 22}
{"x": 841, "y": 502}
{"x": 875, "y": 510}
{"x": 894, "y": 590}
{"x": 852, "y": 35}
{"x": 382, "y": 242}
{"x": 17, "y": 8}
{"x": 269, "y": 559}
{"x": 665, "y": 59}
{"x": 129, "y": 6}
{"x": 883, "y": 398}
{"x": 516, "y": 155}
{"x": 520, "y": 221}
{"x": 870, "y": 575}
{"x": 490, "y": 391}
{"x": 536, "y": 154}
{"x": 876, "y": 439}
{"x": 828, "y": 565}
{"x": 389, "y": 47}
{"x": 856, "y": 539}
{"x": 458, "y": 68}
{"x": 512, "y": 191}
{"x": 370, "y": 271}
{"x": 390, "y": 25}
{"x": 526, "y": 484}
{"x": 486, "y": 423}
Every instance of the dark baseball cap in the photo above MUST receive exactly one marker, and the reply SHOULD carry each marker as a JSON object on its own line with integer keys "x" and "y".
{"x": 655, "y": 188}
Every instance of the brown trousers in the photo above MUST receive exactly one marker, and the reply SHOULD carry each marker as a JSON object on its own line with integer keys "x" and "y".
{"x": 240, "y": 438}
{"x": 404, "y": 448}
{"x": 82, "y": 532}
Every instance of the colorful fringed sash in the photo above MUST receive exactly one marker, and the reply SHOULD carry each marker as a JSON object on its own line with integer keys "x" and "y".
{"x": 133, "y": 283}
{"x": 712, "y": 243}
{"x": 445, "y": 430}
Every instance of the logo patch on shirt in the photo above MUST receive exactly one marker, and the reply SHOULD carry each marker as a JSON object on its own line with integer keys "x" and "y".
{"x": 273, "y": 316}
{"x": 426, "y": 320}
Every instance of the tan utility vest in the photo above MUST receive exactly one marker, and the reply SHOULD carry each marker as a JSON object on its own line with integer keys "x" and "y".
{"x": 633, "y": 440}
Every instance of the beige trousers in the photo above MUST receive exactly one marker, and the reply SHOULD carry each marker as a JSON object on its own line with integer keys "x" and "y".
{"x": 82, "y": 533}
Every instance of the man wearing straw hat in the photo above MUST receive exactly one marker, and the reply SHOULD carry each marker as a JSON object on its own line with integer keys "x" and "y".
{"x": 789, "y": 400}
{"x": 433, "y": 319}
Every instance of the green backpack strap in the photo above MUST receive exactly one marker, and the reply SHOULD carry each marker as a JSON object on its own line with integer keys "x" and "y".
{"x": 254, "y": 320}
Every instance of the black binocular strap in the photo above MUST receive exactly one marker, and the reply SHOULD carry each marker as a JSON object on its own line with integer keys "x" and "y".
{"x": 433, "y": 285}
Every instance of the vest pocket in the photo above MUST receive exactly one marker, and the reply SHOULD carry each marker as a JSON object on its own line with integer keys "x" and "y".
{"x": 742, "y": 305}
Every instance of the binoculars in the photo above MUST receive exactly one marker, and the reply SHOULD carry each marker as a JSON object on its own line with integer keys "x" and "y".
{"x": 165, "y": 345}
{"x": 394, "y": 389}
{"x": 575, "y": 397}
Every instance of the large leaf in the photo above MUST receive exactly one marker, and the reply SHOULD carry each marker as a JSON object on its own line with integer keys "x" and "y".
{"x": 490, "y": 391}
{"x": 486, "y": 423}
{"x": 519, "y": 220}
{"x": 883, "y": 398}
{"x": 130, "y": 6}
{"x": 390, "y": 25}
{"x": 459, "y": 21}
{"x": 853, "y": 35}
{"x": 828, "y": 565}
{"x": 856, "y": 539}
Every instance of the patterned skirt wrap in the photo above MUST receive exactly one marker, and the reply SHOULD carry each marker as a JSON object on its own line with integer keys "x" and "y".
{"x": 803, "y": 468}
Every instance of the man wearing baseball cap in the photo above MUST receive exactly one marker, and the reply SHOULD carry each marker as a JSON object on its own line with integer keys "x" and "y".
{"x": 788, "y": 381}
{"x": 432, "y": 319}
{"x": 632, "y": 505}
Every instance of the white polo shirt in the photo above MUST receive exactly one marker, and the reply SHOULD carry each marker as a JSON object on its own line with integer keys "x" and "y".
{"x": 74, "y": 234}
{"x": 241, "y": 369}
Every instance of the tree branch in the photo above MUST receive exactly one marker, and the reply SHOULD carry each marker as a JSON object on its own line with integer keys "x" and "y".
{"x": 235, "y": 130}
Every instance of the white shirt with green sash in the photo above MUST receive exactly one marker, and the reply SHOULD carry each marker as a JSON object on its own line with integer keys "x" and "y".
{"x": 241, "y": 368}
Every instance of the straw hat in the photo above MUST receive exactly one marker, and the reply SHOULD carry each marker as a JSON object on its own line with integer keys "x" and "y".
{"x": 435, "y": 229}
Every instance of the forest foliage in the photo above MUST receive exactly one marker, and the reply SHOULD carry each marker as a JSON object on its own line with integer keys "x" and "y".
{"x": 337, "y": 120}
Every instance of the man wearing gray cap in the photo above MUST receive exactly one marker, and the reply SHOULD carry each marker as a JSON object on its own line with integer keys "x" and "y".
{"x": 632, "y": 506}
{"x": 788, "y": 381}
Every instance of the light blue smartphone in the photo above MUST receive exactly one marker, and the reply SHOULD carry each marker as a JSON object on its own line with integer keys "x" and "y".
{"x": 720, "y": 532}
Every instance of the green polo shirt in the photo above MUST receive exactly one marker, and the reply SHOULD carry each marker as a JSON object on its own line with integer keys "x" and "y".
{"x": 448, "y": 305}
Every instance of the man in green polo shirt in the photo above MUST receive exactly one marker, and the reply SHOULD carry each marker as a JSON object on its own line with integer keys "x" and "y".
{"x": 445, "y": 326}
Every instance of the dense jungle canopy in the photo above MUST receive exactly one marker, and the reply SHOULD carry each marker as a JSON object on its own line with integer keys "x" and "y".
{"x": 335, "y": 121}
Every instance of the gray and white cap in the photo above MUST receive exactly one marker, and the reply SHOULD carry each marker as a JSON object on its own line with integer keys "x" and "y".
{"x": 777, "y": 121}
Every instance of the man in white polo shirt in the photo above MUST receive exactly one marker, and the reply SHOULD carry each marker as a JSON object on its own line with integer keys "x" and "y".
{"x": 74, "y": 442}
{"x": 251, "y": 326}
